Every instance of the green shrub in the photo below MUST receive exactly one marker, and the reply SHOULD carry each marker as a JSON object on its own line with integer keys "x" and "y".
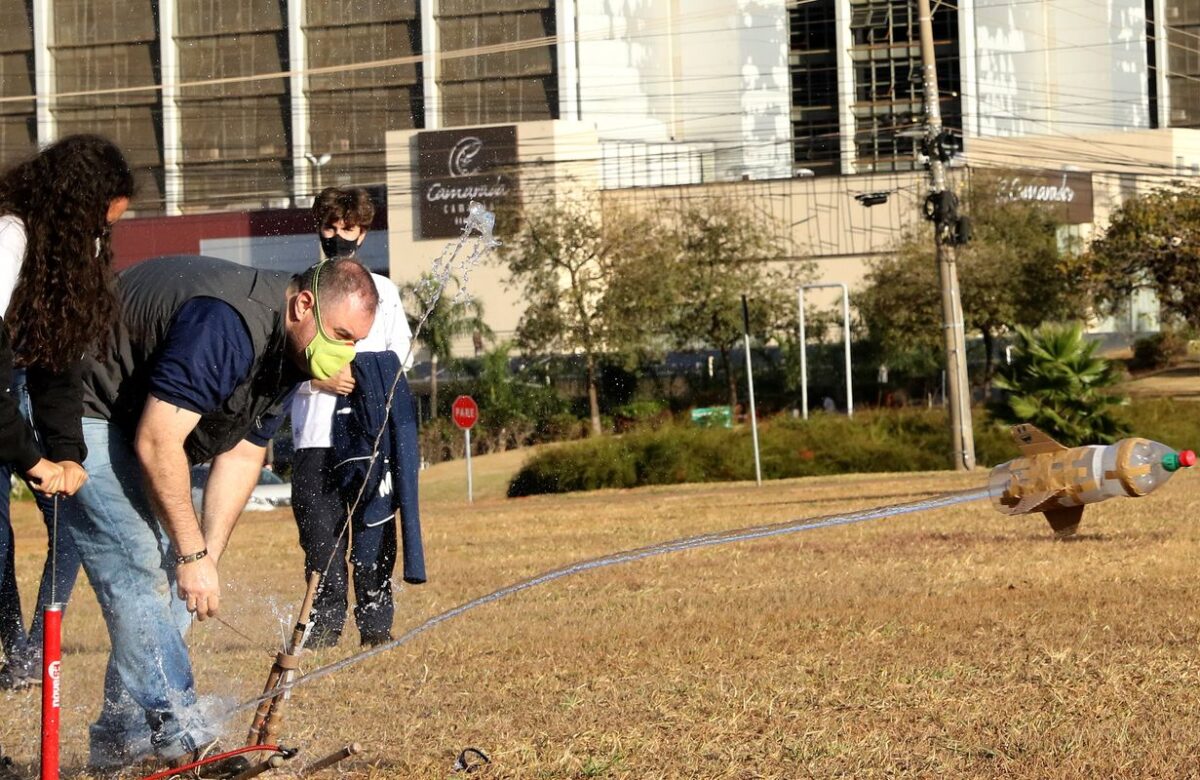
{"x": 1058, "y": 383}
{"x": 561, "y": 469}
{"x": 1159, "y": 350}
{"x": 562, "y": 426}
{"x": 640, "y": 414}
{"x": 884, "y": 440}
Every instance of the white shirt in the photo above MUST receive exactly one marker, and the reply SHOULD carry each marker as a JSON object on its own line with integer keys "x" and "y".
{"x": 12, "y": 254}
{"x": 312, "y": 410}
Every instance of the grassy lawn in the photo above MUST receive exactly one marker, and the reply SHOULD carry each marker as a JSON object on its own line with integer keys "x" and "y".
{"x": 956, "y": 643}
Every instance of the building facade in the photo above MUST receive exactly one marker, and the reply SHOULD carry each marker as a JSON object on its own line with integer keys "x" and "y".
{"x": 243, "y": 104}
{"x": 240, "y": 104}
{"x": 249, "y": 105}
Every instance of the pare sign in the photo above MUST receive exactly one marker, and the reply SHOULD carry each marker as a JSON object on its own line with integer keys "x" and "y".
{"x": 465, "y": 412}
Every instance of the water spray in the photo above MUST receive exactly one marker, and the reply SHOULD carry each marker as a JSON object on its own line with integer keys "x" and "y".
{"x": 1048, "y": 477}
{"x": 629, "y": 556}
{"x": 268, "y": 716}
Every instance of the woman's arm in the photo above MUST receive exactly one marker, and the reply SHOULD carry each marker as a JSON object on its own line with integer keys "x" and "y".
{"x": 17, "y": 443}
{"x": 57, "y": 404}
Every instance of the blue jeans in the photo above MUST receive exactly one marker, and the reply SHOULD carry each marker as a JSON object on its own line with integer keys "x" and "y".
{"x": 150, "y": 703}
{"x": 23, "y": 652}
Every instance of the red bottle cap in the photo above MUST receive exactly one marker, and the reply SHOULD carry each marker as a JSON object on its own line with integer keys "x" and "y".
{"x": 1187, "y": 458}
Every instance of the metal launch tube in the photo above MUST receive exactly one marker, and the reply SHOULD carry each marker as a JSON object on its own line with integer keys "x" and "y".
{"x": 51, "y": 688}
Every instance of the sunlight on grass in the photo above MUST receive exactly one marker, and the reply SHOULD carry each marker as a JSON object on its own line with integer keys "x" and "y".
{"x": 957, "y": 642}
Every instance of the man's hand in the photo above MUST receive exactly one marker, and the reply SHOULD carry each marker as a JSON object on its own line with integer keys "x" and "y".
{"x": 46, "y": 477}
{"x": 341, "y": 383}
{"x": 73, "y": 477}
{"x": 200, "y": 587}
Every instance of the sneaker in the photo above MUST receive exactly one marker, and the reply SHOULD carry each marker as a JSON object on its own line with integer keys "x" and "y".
{"x": 374, "y": 640}
{"x": 16, "y": 676}
{"x": 6, "y": 767}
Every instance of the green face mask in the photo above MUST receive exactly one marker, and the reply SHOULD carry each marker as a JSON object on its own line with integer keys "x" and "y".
{"x": 326, "y": 356}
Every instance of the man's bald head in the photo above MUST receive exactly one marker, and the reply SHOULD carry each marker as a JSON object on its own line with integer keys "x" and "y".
{"x": 347, "y": 298}
{"x": 339, "y": 279}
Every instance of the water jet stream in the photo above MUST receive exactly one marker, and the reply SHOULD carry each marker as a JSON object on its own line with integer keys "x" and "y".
{"x": 629, "y": 556}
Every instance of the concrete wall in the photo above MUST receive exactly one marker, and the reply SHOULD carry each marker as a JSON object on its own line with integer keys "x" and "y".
{"x": 707, "y": 71}
{"x": 1058, "y": 66}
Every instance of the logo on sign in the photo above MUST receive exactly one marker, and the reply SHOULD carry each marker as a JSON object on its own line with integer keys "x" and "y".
{"x": 1069, "y": 192}
{"x": 463, "y": 157}
{"x": 54, "y": 670}
{"x": 456, "y": 167}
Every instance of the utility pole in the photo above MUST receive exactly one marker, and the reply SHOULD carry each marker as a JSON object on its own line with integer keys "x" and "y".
{"x": 941, "y": 208}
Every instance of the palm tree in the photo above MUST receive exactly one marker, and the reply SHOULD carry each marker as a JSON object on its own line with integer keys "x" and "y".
{"x": 445, "y": 319}
{"x": 1058, "y": 383}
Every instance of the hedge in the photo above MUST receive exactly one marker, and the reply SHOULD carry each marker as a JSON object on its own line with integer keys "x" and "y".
{"x": 871, "y": 441}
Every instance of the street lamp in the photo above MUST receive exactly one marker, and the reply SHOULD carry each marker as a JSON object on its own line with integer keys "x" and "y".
{"x": 317, "y": 163}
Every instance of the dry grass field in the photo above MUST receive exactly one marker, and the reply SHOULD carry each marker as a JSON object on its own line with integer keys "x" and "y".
{"x": 954, "y": 643}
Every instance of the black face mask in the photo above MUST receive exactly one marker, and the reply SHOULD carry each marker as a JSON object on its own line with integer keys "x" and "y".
{"x": 335, "y": 246}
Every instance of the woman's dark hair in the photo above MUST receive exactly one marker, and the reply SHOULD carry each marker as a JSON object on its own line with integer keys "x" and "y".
{"x": 65, "y": 299}
{"x": 352, "y": 205}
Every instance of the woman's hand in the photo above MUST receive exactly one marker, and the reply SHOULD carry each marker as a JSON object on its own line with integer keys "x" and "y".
{"x": 46, "y": 477}
{"x": 73, "y": 476}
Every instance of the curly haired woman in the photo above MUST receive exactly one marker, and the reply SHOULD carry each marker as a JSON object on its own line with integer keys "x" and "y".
{"x": 56, "y": 300}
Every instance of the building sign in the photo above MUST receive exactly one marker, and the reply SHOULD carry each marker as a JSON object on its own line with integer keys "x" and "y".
{"x": 455, "y": 167}
{"x": 1068, "y": 193}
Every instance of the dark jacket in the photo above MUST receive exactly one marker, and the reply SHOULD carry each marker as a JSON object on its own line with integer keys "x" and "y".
{"x": 152, "y": 292}
{"x": 389, "y": 482}
{"x": 17, "y": 443}
{"x": 57, "y": 406}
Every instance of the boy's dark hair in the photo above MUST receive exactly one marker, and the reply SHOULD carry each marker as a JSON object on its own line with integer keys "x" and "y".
{"x": 352, "y": 205}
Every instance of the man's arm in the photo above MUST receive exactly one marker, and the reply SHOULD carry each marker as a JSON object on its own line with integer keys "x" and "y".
{"x": 233, "y": 477}
{"x": 159, "y": 441}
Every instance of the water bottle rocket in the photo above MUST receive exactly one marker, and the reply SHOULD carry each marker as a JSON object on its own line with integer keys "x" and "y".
{"x": 1059, "y": 481}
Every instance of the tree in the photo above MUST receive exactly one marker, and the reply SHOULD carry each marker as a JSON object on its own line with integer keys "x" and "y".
{"x": 1057, "y": 382}
{"x": 727, "y": 250}
{"x": 446, "y": 317}
{"x": 591, "y": 281}
{"x": 1152, "y": 241}
{"x": 1014, "y": 271}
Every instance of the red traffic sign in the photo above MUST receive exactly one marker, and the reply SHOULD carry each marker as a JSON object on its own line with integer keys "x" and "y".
{"x": 465, "y": 412}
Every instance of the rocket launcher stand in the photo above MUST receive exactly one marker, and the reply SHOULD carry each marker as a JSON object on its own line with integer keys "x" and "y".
{"x": 269, "y": 714}
{"x": 324, "y": 763}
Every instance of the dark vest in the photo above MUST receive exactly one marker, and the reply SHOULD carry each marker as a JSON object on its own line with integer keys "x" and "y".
{"x": 151, "y": 293}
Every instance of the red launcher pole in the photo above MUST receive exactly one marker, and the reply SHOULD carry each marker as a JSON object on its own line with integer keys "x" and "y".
{"x": 51, "y": 690}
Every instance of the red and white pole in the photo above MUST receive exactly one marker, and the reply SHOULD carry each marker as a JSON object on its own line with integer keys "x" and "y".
{"x": 51, "y": 690}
